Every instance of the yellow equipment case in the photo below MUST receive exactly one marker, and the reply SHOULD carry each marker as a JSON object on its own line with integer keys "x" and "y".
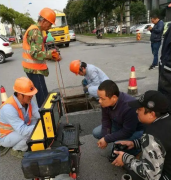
{"x": 51, "y": 112}
{"x": 51, "y": 136}
{"x": 37, "y": 140}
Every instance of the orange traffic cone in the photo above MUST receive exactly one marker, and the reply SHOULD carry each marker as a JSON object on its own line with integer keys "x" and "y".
{"x": 3, "y": 95}
{"x": 132, "y": 87}
{"x": 138, "y": 36}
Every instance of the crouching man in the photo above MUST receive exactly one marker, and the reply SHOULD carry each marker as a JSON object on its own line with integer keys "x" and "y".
{"x": 93, "y": 76}
{"x": 155, "y": 160}
{"x": 119, "y": 121}
{"x": 18, "y": 117}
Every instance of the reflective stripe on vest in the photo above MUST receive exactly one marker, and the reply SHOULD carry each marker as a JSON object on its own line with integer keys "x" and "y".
{"x": 29, "y": 62}
{"x": 5, "y": 129}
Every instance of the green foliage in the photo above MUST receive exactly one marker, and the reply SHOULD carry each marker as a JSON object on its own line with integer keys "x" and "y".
{"x": 160, "y": 13}
{"x": 10, "y": 16}
{"x": 84, "y": 10}
{"x": 137, "y": 10}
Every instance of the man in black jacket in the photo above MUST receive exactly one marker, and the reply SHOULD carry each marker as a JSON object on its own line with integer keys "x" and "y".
{"x": 155, "y": 160}
{"x": 164, "y": 83}
{"x": 119, "y": 121}
{"x": 156, "y": 37}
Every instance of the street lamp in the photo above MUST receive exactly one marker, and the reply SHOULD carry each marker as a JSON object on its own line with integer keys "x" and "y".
{"x": 26, "y": 6}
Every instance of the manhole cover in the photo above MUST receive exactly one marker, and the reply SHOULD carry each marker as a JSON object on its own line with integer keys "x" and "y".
{"x": 77, "y": 106}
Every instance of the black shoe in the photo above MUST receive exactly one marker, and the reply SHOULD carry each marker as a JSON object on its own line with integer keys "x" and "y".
{"x": 151, "y": 67}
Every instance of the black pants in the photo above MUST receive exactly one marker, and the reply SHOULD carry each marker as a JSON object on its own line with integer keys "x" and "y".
{"x": 39, "y": 82}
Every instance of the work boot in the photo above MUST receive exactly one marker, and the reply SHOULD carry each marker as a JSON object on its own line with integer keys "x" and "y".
{"x": 3, "y": 150}
{"x": 17, "y": 153}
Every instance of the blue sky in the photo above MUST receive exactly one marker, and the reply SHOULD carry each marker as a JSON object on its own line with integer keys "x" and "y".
{"x": 23, "y": 6}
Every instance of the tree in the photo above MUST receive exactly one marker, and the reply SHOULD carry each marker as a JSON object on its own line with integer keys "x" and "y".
{"x": 137, "y": 10}
{"x": 119, "y": 11}
{"x": 10, "y": 16}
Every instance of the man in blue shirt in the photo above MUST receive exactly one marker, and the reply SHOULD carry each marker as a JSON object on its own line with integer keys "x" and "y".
{"x": 156, "y": 37}
{"x": 18, "y": 117}
{"x": 93, "y": 76}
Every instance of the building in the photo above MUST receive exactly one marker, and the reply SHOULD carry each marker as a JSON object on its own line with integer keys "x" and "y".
{"x": 159, "y": 4}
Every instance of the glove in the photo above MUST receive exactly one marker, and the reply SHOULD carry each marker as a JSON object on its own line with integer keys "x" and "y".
{"x": 55, "y": 55}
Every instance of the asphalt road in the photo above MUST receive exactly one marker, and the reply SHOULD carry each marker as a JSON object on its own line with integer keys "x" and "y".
{"x": 116, "y": 63}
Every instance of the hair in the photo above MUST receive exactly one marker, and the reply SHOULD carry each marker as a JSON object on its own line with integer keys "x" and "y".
{"x": 157, "y": 114}
{"x": 15, "y": 94}
{"x": 110, "y": 88}
{"x": 84, "y": 65}
{"x": 40, "y": 18}
{"x": 155, "y": 16}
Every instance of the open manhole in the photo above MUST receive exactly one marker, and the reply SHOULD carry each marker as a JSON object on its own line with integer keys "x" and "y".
{"x": 77, "y": 106}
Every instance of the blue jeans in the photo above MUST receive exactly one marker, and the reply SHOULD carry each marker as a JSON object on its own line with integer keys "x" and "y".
{"x": 39, "y": 82}
{"x": 155, "y": 49}
{"x": 137, "y": 134}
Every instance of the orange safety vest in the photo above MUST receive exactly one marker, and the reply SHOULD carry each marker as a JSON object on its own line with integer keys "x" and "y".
{"x": 29, "y": 62}
{"x": 5, "y": 129}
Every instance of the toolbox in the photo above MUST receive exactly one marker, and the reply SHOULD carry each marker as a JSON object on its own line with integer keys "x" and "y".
{"x": 50, "y": 113}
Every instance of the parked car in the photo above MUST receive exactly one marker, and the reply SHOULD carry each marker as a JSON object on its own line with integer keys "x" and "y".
{"x": 146, "y": 31}
{"x": 132, "y": 28}
{"x": 111, "y": 29}
{"x": 117, "y": 30}
{"x": 141, "y": 28}
{"x": 94, "y": 31}
{"x": 11, "y": 39}
{"x": 166, "y": 26}
{"x": 5, "y": 50}
{"x": 72, "y": 35}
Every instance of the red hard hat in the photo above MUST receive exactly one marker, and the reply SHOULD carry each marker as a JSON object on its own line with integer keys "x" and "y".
{"x": 75, "y": 66}
{"x": 48, "y": 14}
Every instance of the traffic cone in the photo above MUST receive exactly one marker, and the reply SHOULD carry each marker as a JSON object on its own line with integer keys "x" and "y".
{"x": 132, "y": 87}
{"x": 3, "y": 95}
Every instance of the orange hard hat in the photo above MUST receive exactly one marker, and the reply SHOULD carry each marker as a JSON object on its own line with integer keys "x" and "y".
{"x": 75, "y": 66}
{"x": 24, "y": 86}
{"x": 48, "y": 14}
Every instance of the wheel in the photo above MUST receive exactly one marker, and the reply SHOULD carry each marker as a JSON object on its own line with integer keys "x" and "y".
{"x": 2, "y": 57}
{"x": 67, "y": 45}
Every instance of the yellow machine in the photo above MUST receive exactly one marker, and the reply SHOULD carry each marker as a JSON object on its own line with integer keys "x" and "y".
{"x": 60, "y": 30}
{"x": 53, "y": 147}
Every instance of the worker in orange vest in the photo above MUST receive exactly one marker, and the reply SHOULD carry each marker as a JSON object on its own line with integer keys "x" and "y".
{"x": 18, "y": 117}
{"x": 34, "y": 54}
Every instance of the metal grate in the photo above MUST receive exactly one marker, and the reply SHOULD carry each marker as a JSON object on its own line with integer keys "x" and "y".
{"x": 57, "y": 33}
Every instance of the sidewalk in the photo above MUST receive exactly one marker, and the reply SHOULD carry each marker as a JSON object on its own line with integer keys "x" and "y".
{"x": 16, "y": 45}
{"x": 92, "y": 40}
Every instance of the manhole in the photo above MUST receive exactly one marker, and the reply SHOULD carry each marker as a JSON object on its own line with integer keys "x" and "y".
{"x": 77, "y": 106}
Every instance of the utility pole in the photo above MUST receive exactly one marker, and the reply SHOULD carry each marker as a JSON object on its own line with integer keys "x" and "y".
{"x": 94, "y": 23}
{"x": 127, "y": 16}
{"x": 148, "y": 16}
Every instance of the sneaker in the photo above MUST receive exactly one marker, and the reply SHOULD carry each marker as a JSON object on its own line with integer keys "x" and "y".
{"x": 3, "y": 150}
{"x": 157, "y": 65}
{"x": 17, "y": 153}
{"x": 151, "y": 67}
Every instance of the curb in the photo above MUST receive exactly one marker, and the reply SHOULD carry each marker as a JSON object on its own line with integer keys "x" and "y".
{"x": 112, "y": 44}
{"x": 16, "y": 46}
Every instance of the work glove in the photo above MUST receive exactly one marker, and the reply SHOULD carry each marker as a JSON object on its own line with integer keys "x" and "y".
{"x": 55, "y": 55}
